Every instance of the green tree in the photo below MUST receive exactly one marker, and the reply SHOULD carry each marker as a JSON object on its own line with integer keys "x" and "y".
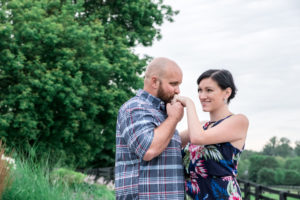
{"x": 279, "y": 176}
{"x": 266, "y": 176}
{"x": 65, "y": 68}
{"x": 283, "y": 148}
{"x": 293, "y": 163}
{"x": 297, "y": 148}
{"x": 247, "y": 154}
{"x": 243, "y": 169}
{"x": 278, "y": 148}
{"x": 259, "y": 161}
{"x": 270, "y": 147}
{"x": 132, "y": 20}
{"x": 291, "y": 177}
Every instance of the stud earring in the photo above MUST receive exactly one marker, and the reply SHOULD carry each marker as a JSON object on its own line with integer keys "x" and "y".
{"x": 225, "y": 100}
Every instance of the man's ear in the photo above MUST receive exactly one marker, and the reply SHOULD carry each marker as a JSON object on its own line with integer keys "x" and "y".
{"x": 155, "y": 82}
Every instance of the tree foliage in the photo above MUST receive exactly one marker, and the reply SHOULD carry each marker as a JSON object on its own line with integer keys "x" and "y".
{"x": 270, "y": 147}
{"x": 266, "y": 176}
{"x": 292, "y": 177}
{"x": 65, "y": 68}
{"x": 297, "y": 148}
{"x": 293, "y": 163}
{"x": 284, "y": 148}
{"x": 277, "y": 147}
{"x": 277, "y": 164}
{"x": 131, "y": 19}
{"x": 257, "y": 162}
{"x": 279, "y": 176}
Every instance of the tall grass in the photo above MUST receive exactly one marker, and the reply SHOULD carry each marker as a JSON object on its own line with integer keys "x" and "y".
{"x": 32, "y": 181}
{"x": 5, "y": 178}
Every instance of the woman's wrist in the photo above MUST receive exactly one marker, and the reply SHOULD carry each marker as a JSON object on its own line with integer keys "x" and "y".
{"x": 189, "y": 102}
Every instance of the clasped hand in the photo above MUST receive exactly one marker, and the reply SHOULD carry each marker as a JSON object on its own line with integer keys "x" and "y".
{"x": 175, "y": 110}
{"x": 181, "y": 99}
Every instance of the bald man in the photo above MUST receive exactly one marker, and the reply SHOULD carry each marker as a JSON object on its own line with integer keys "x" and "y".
{"x": 148, "y": 146}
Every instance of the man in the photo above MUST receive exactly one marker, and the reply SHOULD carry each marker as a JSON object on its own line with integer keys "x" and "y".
{"x": 148, "y": 155}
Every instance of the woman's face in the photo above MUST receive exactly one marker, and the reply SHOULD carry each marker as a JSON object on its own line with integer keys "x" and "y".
{"x": 211, "y": 95}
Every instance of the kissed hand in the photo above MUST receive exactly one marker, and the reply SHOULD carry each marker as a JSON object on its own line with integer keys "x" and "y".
{"x": 182, "y": 99}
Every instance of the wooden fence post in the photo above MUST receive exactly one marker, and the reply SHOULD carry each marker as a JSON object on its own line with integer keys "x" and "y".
{"x": 282, "y": 196}
{"x": 257, "y": 192}
{"x": 247, "y": 190}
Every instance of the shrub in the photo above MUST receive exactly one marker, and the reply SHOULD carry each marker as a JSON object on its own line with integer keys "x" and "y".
{"x": 67, "y": 176}
{"x": 257, "y": 162}
{"x": 279, "y": 176}
{"x": 266, "y": 176}
{"x": 243, "y": 169}
{"x": 291, "y": 177}
{"x": 293, "y": 163}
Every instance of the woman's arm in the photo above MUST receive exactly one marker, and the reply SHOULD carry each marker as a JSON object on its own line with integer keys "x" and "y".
{"x": 184, "y": 135}
{"x": 231, "y": 130}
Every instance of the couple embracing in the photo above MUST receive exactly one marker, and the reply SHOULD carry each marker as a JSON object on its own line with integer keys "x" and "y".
{"x": 155, "y": 161}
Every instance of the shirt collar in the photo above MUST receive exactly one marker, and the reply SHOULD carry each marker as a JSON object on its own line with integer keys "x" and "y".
{"x": 156, "y": 102}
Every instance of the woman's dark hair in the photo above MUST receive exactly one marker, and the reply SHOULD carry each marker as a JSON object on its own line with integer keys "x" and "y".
{"x": 223, "y": 78}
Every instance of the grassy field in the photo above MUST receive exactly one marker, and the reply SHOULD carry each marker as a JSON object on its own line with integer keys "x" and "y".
{"x": 30, "y": 181}
{"x": 273, "y": 196}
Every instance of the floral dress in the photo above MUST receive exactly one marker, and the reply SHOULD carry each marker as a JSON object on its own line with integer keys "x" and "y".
{"x": 211, "y": 170}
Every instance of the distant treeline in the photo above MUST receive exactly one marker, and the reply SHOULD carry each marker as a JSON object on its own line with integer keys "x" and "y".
{"x": 277, "y": 164}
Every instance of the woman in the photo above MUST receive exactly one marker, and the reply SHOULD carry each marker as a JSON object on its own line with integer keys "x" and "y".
{"x": 212, "y": 154}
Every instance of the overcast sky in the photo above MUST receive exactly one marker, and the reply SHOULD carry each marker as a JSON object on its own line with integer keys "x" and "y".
{"x": 258, "y": 41}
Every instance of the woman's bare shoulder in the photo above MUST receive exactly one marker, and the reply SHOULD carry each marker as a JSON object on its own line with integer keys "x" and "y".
{"x": 241, "y": 119}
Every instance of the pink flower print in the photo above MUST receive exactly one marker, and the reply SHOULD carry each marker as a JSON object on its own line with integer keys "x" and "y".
{"x": 195, "y": 187}
{"x": 186, "y": 187}
{"x": 193, "y": 175}
{"x": 235, "y": 196}
{"x": 200, "y": 169}
{"x": 196, "y": 152}
{"x": 227, "y": 178}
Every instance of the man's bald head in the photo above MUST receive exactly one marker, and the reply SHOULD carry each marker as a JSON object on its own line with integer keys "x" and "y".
{"x": 159, "y": 66}
{"x": 162, "y": 78}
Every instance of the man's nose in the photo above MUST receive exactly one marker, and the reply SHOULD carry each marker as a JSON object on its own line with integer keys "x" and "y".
{"x": 177, "y": 90}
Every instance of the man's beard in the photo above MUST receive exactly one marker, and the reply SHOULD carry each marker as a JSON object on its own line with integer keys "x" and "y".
{"x": 163, "y": 95}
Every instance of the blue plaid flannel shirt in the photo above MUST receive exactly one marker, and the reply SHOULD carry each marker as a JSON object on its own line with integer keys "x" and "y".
{"x": 159, "y": 178}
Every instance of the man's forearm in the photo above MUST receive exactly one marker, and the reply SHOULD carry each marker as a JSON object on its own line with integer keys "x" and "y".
{"x": 162, "y": 136}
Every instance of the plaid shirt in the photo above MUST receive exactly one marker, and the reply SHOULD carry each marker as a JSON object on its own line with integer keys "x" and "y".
{"x": 159, "y": 178}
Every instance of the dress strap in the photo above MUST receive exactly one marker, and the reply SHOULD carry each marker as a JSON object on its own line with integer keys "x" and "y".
{"x": 219, "y": 121}
{"x": 207, "y": 124}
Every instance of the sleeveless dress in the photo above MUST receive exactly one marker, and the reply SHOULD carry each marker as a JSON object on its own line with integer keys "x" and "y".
{"x": 211, "y": 170}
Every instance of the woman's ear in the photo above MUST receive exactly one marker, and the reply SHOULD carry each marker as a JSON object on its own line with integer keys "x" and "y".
{"x": 228, "y": 92}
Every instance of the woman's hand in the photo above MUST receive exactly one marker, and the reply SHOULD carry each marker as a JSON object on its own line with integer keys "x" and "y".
{"x": 182, "y": 99}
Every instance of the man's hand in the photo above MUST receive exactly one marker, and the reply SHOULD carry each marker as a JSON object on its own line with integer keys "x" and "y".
{"x": 175, "y": 111}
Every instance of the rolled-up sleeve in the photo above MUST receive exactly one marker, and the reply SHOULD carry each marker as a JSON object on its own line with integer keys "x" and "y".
{"x": 139, "y": 131}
